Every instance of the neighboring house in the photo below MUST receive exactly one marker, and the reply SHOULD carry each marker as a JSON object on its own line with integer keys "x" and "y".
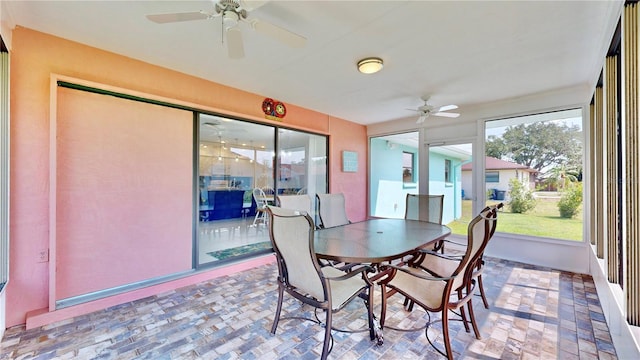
{"x": 497, "y": 174}
{"x": 394, "y": 174}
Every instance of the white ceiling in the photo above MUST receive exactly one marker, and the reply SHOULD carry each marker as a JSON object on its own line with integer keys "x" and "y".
{"x": 464, "y": 53}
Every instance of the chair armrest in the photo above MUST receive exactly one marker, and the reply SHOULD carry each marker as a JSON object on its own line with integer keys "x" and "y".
{"x": 444, "y": 256}
{"x": 454, "y": 242}
{"x": 350, "y": 274}
{"x": 411, "y": 271}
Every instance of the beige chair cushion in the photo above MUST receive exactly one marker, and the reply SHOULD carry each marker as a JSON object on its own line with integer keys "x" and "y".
{"x": 428, "y": 292}
{"x": 296, "y": 202}
{"x": 332, "y": 210}
{"x": 342, "y": 290}
{"x": 442, "y": 267}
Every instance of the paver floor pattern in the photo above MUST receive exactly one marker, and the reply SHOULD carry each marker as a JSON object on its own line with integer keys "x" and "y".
{"x": 535, "y": 313}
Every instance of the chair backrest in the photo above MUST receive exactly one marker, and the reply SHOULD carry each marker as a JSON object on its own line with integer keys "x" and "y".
{"x": 424, "y": 208}
{"x": 494, "y": 224}
{"x": 260, "y": 197}
{"x": 332, "y": 210}
{"x": 295, "y": 202}
{"x": 291, "y": 236}
{"x": 490, "y": 212}
{"x": 478, "y": 235}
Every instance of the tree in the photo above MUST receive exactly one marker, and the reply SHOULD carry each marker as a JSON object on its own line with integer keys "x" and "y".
{"x": 541, "y": 146}
{"x": 495, "y": 147}
{"x": 562, "y": 176}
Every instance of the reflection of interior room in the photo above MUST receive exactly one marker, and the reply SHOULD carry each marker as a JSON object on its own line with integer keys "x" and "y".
{"x": 235, "y": 157}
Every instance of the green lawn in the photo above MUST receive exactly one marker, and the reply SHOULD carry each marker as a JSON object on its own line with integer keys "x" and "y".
{"x": 544, "y": 221}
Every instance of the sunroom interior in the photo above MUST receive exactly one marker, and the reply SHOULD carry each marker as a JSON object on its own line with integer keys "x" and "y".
{"x": 169, "y": 144}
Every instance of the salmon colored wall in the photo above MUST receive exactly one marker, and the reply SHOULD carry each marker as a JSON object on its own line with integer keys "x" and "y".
{"x": 34, "y": 57}
{"x": 349, "y": 136}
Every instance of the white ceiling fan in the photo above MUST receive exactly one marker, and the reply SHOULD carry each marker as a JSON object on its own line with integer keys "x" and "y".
{"x": 232, "y": 13}
{"x": 427, "y": 110}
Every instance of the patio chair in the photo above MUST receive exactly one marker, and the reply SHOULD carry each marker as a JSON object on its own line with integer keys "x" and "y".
{"x": 428, "y": 263}
{"x": 332, "y": 211}
{"x": 295, "y": 202}
{"x": 301, "y": 276}
{"x": 261, "y": 206}
{"x": 450, "y": 287}
{"x": 427, "y": 208}
{"x": 424, "y": 208}
{"x": 268, "y": 190}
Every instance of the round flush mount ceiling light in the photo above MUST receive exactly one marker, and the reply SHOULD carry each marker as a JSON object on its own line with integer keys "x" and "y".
{"x": 370, "y": 65}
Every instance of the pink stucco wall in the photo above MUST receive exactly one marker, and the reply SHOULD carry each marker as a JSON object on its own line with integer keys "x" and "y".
{"x": 124, "y": 191}
{"x": 34, "y": 57}
{"x": 352, "y": 184}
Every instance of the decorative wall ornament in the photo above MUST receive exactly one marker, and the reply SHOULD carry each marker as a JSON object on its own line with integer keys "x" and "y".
{"x": 349, "y": 161}
{"x": 273, "y": 109}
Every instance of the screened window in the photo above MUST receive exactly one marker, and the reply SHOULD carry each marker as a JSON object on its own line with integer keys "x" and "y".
{"x": 549, "y": 147}
{"x": 393, "y": 173}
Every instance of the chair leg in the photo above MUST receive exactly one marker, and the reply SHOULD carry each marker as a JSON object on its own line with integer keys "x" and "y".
{"x": 439, "y": 246}
{"x": 465, "y": 322}
{"x": 482, "y": 294}
{"x": 372, "y": 332}
{"x": 327, "y": 335}
{"x": 445, "y": 333}
{"x": 473, "y": 319}
{"x": 278, "y": 309}
{"x": 408, "y": 304}
{"x": 383, "y": 306}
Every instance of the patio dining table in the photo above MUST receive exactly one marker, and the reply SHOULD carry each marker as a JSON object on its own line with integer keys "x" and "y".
{"x": 377, "y": 240}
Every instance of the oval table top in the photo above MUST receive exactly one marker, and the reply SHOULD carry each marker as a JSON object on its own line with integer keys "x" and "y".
{"x": 376, "y": 240}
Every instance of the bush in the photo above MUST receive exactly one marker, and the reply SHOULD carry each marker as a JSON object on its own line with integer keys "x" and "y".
{"x": 570, "y": 201}
{"x": 521, "y": 198}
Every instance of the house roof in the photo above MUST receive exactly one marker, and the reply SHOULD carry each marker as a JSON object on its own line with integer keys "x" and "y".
{"x": 492, "y": 163}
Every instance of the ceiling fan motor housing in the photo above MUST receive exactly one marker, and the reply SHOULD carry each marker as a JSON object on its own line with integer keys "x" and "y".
{"x": 226, "y": 7}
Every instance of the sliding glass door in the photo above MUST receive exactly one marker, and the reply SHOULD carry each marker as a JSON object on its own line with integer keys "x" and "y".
{"x": 302, "y": 163}
{"x": 238, "y": 159}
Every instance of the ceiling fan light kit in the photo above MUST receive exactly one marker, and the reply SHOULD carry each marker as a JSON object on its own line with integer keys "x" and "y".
{"x": 370, "y": 65}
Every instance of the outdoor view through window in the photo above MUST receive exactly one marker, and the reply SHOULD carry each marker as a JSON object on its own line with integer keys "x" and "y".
{"x": 534, "y": 165}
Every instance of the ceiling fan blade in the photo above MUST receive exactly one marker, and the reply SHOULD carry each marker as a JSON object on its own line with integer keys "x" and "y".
{"x": 177, "y": 17}
{"x": 235, "y": 47}
{"x": 421, "y": 119}
{"x": 446, "y": 114}
{"x": 278, "y": 33}
{"x": 251, "y": 5}
{"x": 447, "y": 108}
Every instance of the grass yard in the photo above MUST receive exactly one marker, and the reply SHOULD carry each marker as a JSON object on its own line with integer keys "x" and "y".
{"x": 544, "y": 221}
